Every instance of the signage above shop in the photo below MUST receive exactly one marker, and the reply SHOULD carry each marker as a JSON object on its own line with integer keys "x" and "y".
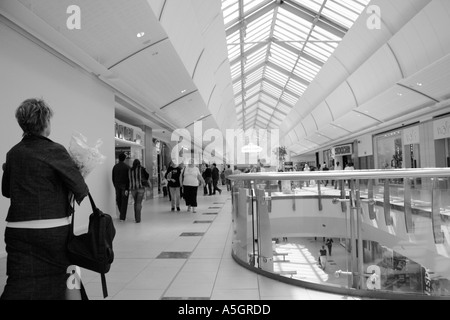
{"x": 128, "y": 133}
{"x": 345, "y": 150}
{"x": 441, "y": 129}
{"x": 411, "y": 136}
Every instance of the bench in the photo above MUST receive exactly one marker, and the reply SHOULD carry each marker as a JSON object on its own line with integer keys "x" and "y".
{"x": 287, "y": 272}
{"x": 282, "y": 254}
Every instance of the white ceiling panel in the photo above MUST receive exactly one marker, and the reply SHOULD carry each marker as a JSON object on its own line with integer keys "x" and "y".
{"x": 319, "y": 139}
{"x": 322, "y": 115}
{"x": 187, "y": 110}
{"x": 433, "y": 81}
{"x": 393, "y": 103}
{"x": 376, "y": 75}
{"x": 333, "y": 132}
{"x": 160, "y": 88}
{"x": 300, "y": 131}
{"x": 356, "y": 122}
{"x": 188, "y": 40}
{"x": 310, "y": 125}
{"x": 108, "y": 27}
{"x": 397, "y": 13}
{"x": 341, "y": 100}
{"x": 420, "y": 42}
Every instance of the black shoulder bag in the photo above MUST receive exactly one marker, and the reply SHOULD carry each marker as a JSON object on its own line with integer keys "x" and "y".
{"x": 94, "y": 250}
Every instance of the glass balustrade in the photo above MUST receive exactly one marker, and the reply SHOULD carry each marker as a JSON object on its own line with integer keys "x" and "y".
{"x": 390, "y": 230}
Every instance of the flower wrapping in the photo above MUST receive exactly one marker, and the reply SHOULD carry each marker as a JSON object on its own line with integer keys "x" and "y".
{"x": 85, "y": 156}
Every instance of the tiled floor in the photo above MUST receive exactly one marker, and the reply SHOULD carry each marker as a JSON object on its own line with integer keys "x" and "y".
{"x": 185, "y": 255}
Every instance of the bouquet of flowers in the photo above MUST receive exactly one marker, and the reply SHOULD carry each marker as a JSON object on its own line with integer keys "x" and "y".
{"x": 85, "y": 156}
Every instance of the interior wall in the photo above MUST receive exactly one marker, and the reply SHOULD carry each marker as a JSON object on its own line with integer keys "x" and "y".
{"x": 80, "y": 103}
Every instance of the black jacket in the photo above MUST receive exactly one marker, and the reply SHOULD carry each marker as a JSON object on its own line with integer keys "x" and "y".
{"x": 215, "y": 173}
{"x": 175, "y": 174}
{"x": 120, "y": 176}
{"x": 38, "y": 176}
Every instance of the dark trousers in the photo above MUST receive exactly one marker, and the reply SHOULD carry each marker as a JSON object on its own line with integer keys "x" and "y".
{"x": 122, "y": 202}
{"x": 208, "y": 186}
{"x": 216, "y": 188}
{"x": 37, "y": 264}
{"x": 190, "y": 195}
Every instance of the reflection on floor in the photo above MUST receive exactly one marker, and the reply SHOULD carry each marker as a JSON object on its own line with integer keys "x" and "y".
{"x": 169, "y": 256}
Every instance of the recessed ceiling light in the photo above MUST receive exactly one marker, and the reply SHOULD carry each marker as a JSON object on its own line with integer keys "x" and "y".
{"x": 140, "y": 34}
{"x": 400, "y": 94}
{"x": 183, "y": 91}
{"x": 419, "y": 84}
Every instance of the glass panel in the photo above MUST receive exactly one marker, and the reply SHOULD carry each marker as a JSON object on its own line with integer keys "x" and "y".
{"x": 309, "y": 230}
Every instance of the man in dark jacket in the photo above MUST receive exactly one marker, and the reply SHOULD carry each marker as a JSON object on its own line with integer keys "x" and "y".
{"x": 122, "y": 185}
{"x": 207, "y": 176}
{"x": 215, "y": 179}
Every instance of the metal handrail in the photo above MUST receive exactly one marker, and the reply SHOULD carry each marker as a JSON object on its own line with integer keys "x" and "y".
{"x": 345, "y": 174}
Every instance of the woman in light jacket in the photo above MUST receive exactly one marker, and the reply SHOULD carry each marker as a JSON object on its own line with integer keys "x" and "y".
{"x": 191, "y": 179}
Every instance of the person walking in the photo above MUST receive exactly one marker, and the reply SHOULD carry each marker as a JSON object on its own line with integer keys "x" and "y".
{"x": 137, "y": 175}
{"x": 215, "y": 179}
{"x": 228, "y": 172}
{"x": 207, "y": 176}
{"x": 325, "y": 168}
{"x": 329, "y": 244}
{"x": 191, "y": 180}
{"x": 164, "y": 181}
{"x": 322, "y": 258}
{"x": 171, "y": 167}
{"x": 174, "y": 182}
{"x": 222, "y": 176}
{"x": 349, "y": 167}
{"x": 338, "y": 183}
{"x": 121, "y": 184}
{"x": 39, "y": 178}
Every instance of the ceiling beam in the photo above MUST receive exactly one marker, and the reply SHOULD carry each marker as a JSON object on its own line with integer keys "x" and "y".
{"x": 276, "y": 85}
{"x": 273, "y": 66}
{"x": 282, "y": 44}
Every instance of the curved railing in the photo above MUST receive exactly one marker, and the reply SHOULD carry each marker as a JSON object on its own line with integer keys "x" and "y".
{"x": 390, "y": 230}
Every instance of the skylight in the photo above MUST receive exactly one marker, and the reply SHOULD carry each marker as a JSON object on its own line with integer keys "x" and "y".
{"x": 276, "y": 48}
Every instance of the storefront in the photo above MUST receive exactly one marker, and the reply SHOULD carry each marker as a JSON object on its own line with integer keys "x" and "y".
{"x": 441, "y": 128}
{"x": 343, "y": 155}
{"x": 129, "y": 140}
{"x": 389, "y": 150}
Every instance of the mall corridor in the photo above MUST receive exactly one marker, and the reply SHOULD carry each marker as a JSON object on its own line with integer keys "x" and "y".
{"x": 184, "y": 255}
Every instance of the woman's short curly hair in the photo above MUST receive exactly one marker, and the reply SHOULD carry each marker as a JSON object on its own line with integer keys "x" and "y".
{"x": 33, "y": 116}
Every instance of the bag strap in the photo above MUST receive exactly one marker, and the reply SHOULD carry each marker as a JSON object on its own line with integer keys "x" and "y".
{"x": 104, "y": 287}
{"x": 94, "y": 209}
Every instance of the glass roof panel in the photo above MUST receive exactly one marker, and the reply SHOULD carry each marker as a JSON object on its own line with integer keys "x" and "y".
{"x": 254, "y": 77}
{"x": 250, "y": 5}
{"x": 296, "y": 87}
{"x": 277, "y": 77}
{"x": 230, "y": 10}
{"x": 275, "y": 46}
{"x": 265, "y": 108}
